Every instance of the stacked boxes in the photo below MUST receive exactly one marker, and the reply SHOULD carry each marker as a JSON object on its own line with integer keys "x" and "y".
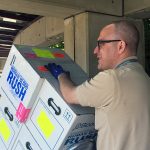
{"x": 38, "y": 106}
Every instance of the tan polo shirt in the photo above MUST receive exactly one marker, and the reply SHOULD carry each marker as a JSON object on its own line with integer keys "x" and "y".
{"x": 121, "y": 98}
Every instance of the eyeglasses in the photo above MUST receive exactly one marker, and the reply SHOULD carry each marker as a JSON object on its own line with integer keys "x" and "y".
{"x": 101, "y": 42}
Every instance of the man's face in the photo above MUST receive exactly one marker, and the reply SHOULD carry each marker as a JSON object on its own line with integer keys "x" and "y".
{"x": 106, "y": 52}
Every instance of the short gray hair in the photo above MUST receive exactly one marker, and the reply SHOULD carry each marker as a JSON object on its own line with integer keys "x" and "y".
{"x": 129, "y": 32}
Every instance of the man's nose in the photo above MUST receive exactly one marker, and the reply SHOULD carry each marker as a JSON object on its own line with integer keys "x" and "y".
{"x": 96, "y": 50}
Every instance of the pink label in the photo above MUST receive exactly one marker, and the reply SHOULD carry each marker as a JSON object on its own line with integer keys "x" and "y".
{"x": 22, "y": 113}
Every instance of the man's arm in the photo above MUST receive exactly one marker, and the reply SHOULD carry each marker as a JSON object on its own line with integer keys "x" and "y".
{"x": 68, "y": 89}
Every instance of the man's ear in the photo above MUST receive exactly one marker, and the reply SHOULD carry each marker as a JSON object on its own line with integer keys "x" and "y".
{"x": 121, "y": 47}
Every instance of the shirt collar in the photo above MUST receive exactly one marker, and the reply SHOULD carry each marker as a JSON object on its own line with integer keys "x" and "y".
{"x": 126, "y": 59}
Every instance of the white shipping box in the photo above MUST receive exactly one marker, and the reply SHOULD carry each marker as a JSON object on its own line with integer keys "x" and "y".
{"x": 57, "y": 125}
{"x": 52, "y": 123}
{"x": 20, "y": 83}
{"x": 25, "y": 141}
{"x": 9, "y": 124}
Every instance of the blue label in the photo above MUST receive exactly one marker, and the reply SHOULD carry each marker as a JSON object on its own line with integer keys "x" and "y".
{"x": 17, "y": 83}
{"x": 78, "y": 137}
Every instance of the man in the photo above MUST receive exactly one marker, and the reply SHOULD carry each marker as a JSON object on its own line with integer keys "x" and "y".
{"x": 120, "y": 92}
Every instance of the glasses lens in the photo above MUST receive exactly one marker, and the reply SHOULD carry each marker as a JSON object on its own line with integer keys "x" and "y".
{"x": 101, "y": 42}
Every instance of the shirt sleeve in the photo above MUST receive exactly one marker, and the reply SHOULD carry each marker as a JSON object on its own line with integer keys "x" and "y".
{"x": 97, "y": 92}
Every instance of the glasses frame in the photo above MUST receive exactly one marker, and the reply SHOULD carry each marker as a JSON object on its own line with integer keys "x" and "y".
{"x": 100, "y": 42}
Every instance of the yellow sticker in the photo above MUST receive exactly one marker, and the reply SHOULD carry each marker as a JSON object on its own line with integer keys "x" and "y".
{"x": 43, "y": 53}
{"x": 4, "y": 130}
{"x": 45, "y": 124}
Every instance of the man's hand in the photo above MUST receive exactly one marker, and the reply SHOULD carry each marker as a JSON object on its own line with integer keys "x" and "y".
{"x": 55, "y": 70}
{"x": 67, "y": 87}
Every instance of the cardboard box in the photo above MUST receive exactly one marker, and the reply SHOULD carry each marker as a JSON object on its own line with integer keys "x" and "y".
{"x": 57, "y": 125}
{"x": 20, "y": 83}
{"x": 9, "y": 124}
{"x": 25, "y": 141}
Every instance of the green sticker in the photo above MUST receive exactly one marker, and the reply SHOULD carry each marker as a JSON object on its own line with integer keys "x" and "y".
{"x": 44, "y": 53}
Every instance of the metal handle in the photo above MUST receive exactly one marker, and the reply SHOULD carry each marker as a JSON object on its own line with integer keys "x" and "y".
{"x": 54, "y": 106}
{"x": 28, "y": 146}
{"x": 10, "y": 116}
